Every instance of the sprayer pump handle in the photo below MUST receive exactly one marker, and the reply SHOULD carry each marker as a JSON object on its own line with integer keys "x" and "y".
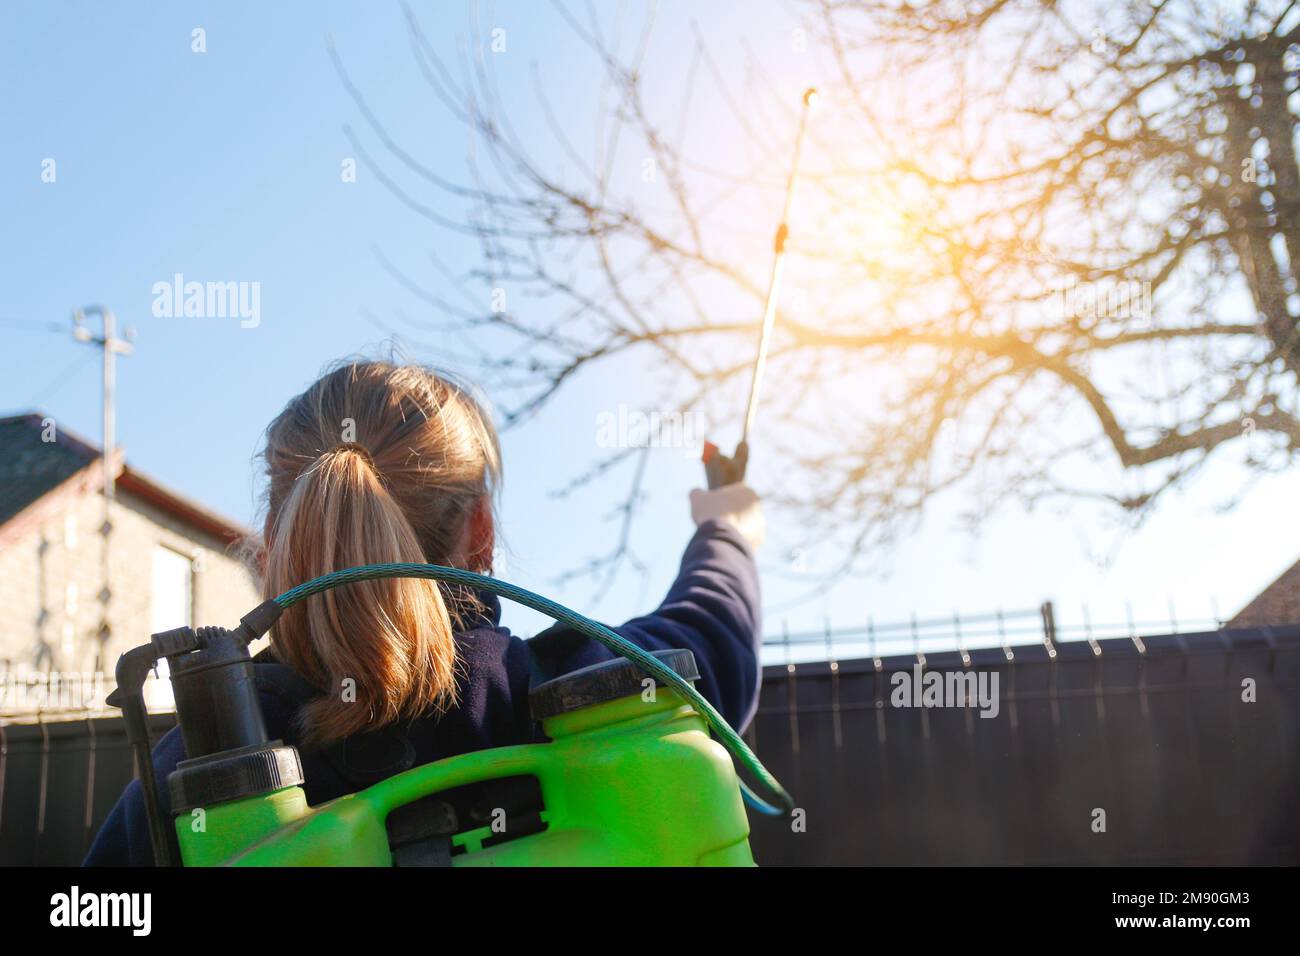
{"x": 721, "y": 470}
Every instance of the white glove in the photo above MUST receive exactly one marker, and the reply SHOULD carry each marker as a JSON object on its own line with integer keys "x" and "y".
{"x": 737, "y": 505}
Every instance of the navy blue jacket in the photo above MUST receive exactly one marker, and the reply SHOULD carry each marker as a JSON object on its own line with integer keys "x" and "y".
{"x": 712, "y": 609}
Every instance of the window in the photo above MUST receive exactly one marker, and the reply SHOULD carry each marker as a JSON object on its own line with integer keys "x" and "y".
{"x": 171, "y": 591}
{"x": 171, "y": 596}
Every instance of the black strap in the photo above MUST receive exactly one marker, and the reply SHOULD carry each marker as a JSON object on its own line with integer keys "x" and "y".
{"x": 550, "y": 649}
{"x": 283, "y": 681}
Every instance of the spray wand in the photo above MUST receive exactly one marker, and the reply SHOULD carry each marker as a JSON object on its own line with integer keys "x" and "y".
{"x": 718, "y": 468}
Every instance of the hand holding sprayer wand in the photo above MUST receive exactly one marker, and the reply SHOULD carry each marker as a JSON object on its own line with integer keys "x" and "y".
{"x": 718, "y": 468}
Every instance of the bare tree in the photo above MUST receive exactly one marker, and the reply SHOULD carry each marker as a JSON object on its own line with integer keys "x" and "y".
{"x": 1045, "y": 248}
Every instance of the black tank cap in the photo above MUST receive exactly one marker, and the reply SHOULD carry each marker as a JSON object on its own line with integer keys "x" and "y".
{"x": 233, "y": 775}
{"x": 603, "y": 682}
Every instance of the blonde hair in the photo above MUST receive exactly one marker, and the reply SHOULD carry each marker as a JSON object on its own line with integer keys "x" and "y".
{"x": 374, "y": 463}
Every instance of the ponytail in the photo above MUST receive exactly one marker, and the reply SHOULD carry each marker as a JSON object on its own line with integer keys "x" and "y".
{"x": 383, "y": 651}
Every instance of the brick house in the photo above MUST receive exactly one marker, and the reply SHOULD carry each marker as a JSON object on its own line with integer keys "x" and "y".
{"x": 171, "y": 562}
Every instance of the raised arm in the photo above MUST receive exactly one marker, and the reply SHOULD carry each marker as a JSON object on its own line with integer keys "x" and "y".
{"x": 712, "y": 609}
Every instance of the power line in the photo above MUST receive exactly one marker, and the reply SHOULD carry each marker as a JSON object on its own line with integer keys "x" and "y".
{"x": 63, "y": 377}
{"x": 33, "y": 326}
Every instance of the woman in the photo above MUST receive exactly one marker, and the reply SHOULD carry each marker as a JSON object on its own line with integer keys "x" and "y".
{"x": 378, "y": 462}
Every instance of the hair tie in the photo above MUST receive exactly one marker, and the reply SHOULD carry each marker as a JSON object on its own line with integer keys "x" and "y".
{"x": 361, "y": 450}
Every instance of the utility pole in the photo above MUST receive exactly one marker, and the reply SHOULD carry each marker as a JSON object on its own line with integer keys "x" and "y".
{"x": 112, "y": 347}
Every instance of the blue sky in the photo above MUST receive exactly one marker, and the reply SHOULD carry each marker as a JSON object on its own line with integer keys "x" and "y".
{"x": 225, "y": 166}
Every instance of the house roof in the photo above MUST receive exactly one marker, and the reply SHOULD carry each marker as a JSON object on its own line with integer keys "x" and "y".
{"x": 30, "y": 468}
{"x": 32, "y": 471}
{"x": 1279, "y": 603}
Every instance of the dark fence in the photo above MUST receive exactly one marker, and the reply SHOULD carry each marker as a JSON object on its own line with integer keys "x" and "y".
{"x": 1152, "y": 732}
{"x": 58, "y": 780}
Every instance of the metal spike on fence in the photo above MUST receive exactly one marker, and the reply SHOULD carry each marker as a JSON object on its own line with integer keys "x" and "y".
{"x": 792, "y": 693}
{"x": 1002, "y": 637}
{"x": 1087, "y": 630}
{"x": 1049, "y": 628}
{"x": 1132, "y": 629}
{"x": 87, "y": 834}
{"x": 1049, "y": 641}
{"x": 44, "y": 788}
{"x": 835, "y": 688}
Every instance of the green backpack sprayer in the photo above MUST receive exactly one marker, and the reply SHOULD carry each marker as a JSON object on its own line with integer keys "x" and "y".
{"x": 630, "y": 775}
